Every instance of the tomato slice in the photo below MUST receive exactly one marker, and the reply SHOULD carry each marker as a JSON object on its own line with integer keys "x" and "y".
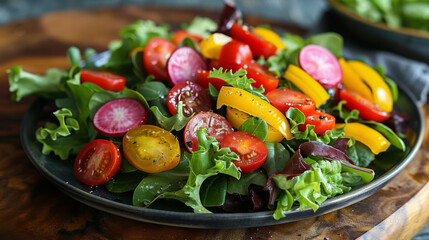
{"x": 217, "y": 126}
{"x": 366, "y": 108}
{"x": 195, "y": 99}
{"x": 151, "y": 149}
{"x": 97, "y": 162}
{"x": 259, "y": 46}
{"x": 234, "y": 55}
{"x": 204, "y": 80}
{"x": 262, "y": 76}
{"x": 250, "y": 149}
{"x": 155, "y": 56}
{"x": 179, "y": 35}
{"x": 116, "y": 117}
{"x": 283, "y": 99}
{"x": 105, "y": 80}
{"x": 321, "y": 121}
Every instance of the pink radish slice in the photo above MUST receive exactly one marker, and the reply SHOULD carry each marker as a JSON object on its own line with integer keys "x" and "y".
{"x": 183, "y": 65}
{"x": 321, "y": 64}
{"x": 116, "y": 117}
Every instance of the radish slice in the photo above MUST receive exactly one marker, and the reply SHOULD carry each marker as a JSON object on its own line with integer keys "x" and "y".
{"x": 116, "y": 117}
{"x": 183, "y": 65}
{"x": 321, "y": 64}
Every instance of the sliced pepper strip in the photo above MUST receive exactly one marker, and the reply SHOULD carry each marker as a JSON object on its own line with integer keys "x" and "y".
{"x": 212, "y": 45}
{"x": 380, "y": 90}
{"x": 353, "y": 82}
{"x": 270, "y": 36}
{"x": 366, "y": 135}
{"x": 306, "y": 84}
{"x": 255, "y": 106}
{"x": 237, "y": 117}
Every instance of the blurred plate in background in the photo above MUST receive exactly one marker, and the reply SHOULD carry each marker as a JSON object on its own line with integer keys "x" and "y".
{"x": 404, "y": 41}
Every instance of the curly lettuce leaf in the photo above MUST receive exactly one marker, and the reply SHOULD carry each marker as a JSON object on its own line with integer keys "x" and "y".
{"x": 200, "y": 26}
{"x": 22, "y": 83}
{"x": 238, "y": 79}
{"x": 176, "y": 122}
{"x": 209, "y": 160}
{"x": 311, "y": 188}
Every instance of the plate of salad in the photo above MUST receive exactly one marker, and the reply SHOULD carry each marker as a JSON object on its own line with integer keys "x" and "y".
{"x": 217, "y": 125}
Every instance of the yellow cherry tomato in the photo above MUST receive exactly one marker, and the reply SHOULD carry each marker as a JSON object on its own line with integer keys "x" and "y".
{"x": 255, "y": 106}
{"x": 151, "y": 149}
{"x": 366, "y": 135}
{"x": 212, "y": 45}
{"x": 270, "y": 36}
{"x": 237, "y": 118}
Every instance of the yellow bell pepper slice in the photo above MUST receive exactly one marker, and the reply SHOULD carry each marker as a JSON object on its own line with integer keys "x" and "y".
{"x": 353, "y": 82}
{"x": 237, "y": 118}
{"x": 253, "y": 105}
{"x": 381, "y": 94}
{"x": 212, "y": 45}
{"x": 306, "y": 84}
{"x": 366, "y": 135}
{"x": 270, "y": 36}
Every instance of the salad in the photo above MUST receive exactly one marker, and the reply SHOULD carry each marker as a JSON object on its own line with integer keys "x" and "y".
{"x": 221, "y": 117}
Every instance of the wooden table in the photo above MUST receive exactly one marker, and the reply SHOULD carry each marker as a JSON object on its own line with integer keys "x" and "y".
{"x": 32, "y": 208}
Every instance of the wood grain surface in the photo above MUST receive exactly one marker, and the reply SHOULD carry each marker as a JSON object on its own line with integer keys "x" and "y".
{"x": 32, "y": 208}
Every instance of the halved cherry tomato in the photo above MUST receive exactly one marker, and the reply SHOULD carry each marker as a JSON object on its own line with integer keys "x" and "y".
{"x": 195, "y": 99}
{"x": 204, "y": 80}
{"x": 262, "y": 76}
{"x": 234, "y": 55}
{"x": 366, "y": 108}
{"x": 283, "y": 99}
{"x": 322, "y": 122}
{"x": 179, "y": 35}
{"x": 97, "y": 162}
{"x": 151, "y": 149}
{"x": 216, "y": 125}
{"x": 259, "y": 46}
{"x": 155, "y": 56}
{"x": 103, "y": 79}
{"x": 250, "y": 149}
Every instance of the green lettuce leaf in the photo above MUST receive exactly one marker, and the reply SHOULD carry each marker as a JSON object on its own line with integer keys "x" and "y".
{"x": 200, "y": 26}
{"x": 255, "y": 126}
{"x": 176, "y": 122}
{"x": 241, "y": 186}
{"x": 22, "y": 83}
{"x": 311, "y": 188}
{"x": 277, "y": 158}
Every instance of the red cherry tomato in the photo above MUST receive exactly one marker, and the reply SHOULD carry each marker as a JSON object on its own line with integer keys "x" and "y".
{"x": 234, "y": 55}
{"x": 216, "y": 125}
{"x": 204, "y": 80}
{"x": 322, "y": 122}
{"x": 155, "y": 56}
{"x": 105, "y": 80}
{"x": 195, "y": 99}
{"x": 262, "y": 76}
{"x": 366, "y": 108}
{"x": 283, "y": 99}
{"x": 259, "y": 46}
{"x": 97, "y": 162}
{"x": 250, "y": 149}
{"x": 179, "y": 35}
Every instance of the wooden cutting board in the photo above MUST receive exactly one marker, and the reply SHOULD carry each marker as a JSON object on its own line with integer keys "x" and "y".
{"x": 32, "y": 208}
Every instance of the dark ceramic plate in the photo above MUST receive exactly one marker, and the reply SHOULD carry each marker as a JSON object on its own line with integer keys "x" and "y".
{"x": 405, "y": 41}
{"x": 60, "y": 173}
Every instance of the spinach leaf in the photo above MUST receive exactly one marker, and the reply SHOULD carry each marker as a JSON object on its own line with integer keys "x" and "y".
{"x": 361, "y": 155}
{"x": 277, "y": 158}
{"x": 331, "y": 41}
{"x": 213, "y": 191}
{"x": 125, "y": 182}
{"x": 255, "y": 126}
{"x": 188, "y": 42}
{"x": 241, "y": 186}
